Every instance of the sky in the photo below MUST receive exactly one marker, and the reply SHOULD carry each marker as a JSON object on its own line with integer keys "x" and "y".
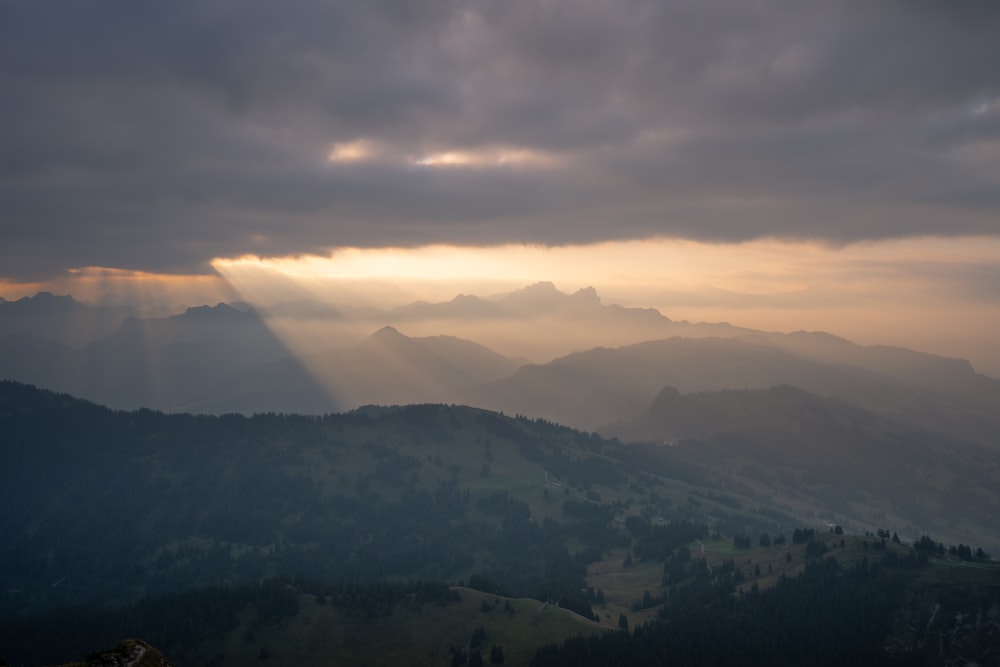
{"x": 776, "y": 164}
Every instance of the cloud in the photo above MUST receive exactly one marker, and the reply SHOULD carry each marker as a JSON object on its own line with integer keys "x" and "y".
{"x": 157, "y": 136}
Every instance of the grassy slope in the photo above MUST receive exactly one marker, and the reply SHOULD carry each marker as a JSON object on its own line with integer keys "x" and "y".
{"x": 412, "y": 635}
{"x": 423, "y": 634}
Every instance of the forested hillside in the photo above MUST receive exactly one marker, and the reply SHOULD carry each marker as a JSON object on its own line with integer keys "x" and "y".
{"x": 185, "y": 529}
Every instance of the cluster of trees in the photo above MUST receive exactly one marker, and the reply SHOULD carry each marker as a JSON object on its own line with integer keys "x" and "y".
{"x": 472, "y": 655}
{"x": 826, "y": 615}
{"x": 962, "y": 551}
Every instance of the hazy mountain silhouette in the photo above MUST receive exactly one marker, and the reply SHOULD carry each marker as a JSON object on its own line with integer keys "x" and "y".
{"x": 539, "y": 300}
{"x": 226, "y": 358}
{"x": 389, "y": 368}
{"x": 601, "y": 386}
{"x": 61, "y": 319}
{"x": 782, "y": 412}
{"x": 463, "y": 306}
{"x": 542, "y": 323}
{"x": 160, "y": 362}
{"x": 304, "y": 309}
{"x": 797, "y": 447}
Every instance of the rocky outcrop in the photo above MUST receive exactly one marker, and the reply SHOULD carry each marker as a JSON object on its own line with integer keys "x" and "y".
{"x": 128, "y": 653}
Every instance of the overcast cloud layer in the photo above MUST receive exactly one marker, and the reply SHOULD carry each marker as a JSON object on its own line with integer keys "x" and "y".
{"x": 158, "y": 135}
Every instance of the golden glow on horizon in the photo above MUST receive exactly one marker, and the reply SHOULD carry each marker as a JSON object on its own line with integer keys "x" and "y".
{"x": 140, "y": 289}
{"x": 926, "y": 293}
{"x": 935, "y": 294}
{"x": 757, "y": 268}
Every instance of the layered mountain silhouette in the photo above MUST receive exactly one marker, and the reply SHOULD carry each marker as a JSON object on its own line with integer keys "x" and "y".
{"x": 389, "y": 368}
{"x": 160, "y": 362}
{"x": 61, "y": 319}
{"x": 228, "y": 358}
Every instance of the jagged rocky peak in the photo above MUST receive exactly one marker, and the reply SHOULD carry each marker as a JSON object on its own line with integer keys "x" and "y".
{"x": 127, "y": 653}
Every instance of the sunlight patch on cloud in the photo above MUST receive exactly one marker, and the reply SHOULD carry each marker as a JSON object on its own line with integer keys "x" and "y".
{"x": 504, "y": 156}
{"x": 358, "y": 150}
{"x": 986, "y": 107}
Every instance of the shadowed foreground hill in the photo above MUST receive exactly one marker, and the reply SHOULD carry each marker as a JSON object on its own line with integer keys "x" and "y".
{"x": 217, "y": 539}
{"x": 113, "y": 506}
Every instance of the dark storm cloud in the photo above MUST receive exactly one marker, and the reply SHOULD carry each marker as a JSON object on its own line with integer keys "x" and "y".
{"x": 158, "y": 135}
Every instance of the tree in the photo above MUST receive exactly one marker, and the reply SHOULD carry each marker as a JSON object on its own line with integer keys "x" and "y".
{"x": 496, "y": 655}
{"x": 475, "y": 659}
{"x": 623, "y": 622}
{"x": 765, "y": 540}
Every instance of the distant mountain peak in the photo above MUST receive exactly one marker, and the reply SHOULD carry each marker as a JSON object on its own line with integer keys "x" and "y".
{"x": 466, "y": 298}
{"x": 46, "y": 300}
{"x": 387, "y": 334}
{"x": 545, "y": 295}
{"x": 48, "y": 296}
{"x": 541, "y": 286}
{"x": 588, "y": 294}
{"x": 217, "y": 308}
{"x": 666, "y": 396}
{"x": 216, "y": 312}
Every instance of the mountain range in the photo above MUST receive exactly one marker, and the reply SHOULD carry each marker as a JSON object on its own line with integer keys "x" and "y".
{"x": 239, "y": 358}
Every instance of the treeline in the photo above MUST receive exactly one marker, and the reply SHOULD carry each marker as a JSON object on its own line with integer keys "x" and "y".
{"x": 927, "y": 545}
{"x": 178, "y": 622}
